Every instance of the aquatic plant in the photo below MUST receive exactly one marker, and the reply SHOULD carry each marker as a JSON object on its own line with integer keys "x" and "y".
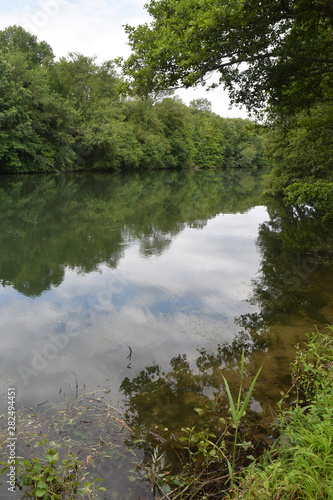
{"x": 208, "y": 469}
{"x": 48, "y": 478}
{"x": 300, "y": 464}
{"x": 237, "y": 412}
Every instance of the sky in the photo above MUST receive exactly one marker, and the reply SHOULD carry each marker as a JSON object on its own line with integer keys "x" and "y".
{"x": 94, "y": 28}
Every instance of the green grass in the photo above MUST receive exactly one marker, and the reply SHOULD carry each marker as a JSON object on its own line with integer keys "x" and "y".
{"x": 300, "y": 466}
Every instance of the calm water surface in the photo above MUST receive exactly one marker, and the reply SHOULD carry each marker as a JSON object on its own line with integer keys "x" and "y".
{"x": 149, "y": 285}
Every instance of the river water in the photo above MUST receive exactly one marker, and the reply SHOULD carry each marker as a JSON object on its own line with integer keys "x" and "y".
{"x": 147, "y": 286}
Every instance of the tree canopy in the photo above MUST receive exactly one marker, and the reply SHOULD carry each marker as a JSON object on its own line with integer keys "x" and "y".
{"x": 70, "y": 115}
{"x": 265, "y": 52}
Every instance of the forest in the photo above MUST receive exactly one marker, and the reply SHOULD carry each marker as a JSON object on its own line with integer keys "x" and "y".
{"x": 274, "y": 57}
{"x": 74, "y": 114}
{"x": 77, "y": 114}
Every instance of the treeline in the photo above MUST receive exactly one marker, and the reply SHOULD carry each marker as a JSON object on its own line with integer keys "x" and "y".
{"x": 273, "y": 57}
{"x": 300, "y": 148}
{"x": 72, "y": 114}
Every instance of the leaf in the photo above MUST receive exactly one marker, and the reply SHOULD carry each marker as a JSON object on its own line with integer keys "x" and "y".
{"x": 40, "y": 493}
{"x": 42, "y": 485}
{"x": 165, "y": 489}
{"x": 199, "y": 411}
{"x": 245, "y": 444}
{"x": 176, "y": 482}
{"x": 246, "y": 401}
{"x": 52, "y": 458}
{"x": 231, "y": 401}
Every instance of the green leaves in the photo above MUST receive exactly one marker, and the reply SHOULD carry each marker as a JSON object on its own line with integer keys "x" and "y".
{"x": 287, "y": 49}
{"x": 72, "y": 114}
{"x": 300, "y": 464}
{"x": 45, "y": 478}
{"x": 34, "y": 120}
{"x": 237, "y": 412}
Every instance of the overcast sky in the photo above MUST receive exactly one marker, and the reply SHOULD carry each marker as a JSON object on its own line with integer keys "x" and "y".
{"x": 93, "y": 27}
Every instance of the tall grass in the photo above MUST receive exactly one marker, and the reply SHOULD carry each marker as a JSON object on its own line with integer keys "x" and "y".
{"x": 237, "y": 412}
{"x": 301, "y": 464}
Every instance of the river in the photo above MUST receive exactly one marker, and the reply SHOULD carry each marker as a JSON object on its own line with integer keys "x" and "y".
{"x": 145, "y": 287}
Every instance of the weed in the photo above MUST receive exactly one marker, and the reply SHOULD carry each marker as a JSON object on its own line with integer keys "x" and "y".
{"x": 50, "y": 479}
{"x": 313, "y": 367}
{"x": 208, "y": 469}
{"x": 300, "y": 464}
{"x": 237, "y": 412}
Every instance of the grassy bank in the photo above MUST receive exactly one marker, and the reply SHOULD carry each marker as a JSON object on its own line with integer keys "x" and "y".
{"x": 215, "y": 464}
{"x": 298, "y": 465}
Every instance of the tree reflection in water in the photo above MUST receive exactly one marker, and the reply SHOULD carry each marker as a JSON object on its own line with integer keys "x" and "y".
{"x": 294, "y": 246}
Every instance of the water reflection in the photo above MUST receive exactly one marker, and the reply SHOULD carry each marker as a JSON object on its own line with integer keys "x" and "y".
{"x": 93, "y": 263}
{"x": 48, "y": 224}
{"x": 190, "y": 393}
{"x": 295, "y": 251}
{"x": 158, "y": 397}
{"x": 150, "y": 284}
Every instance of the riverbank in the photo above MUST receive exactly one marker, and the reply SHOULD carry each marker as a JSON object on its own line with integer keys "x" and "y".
{"x": 299, "y": 463}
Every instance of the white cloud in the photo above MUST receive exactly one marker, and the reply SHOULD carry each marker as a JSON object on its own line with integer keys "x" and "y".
{"x": 94, "y": 27}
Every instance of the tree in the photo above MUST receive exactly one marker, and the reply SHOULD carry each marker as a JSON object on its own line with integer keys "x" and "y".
{"x": 81, "y": 80}
{"x": 69, "y": 115}
{"x": 302, "y": 148}
{"x": 201, "y": 104}
{"x": 16, "y": 39}
{"x": 268, "y": 52}
{"x": 35, "y": 123}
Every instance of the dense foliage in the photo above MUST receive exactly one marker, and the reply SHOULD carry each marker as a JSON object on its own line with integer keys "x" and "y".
{"x": 188, "y": 39}
{"x": 70, "y": 114}
{"x": 301, "y": 150}
{"x": 274, "y": 57}
{"x": 300, "y": 464}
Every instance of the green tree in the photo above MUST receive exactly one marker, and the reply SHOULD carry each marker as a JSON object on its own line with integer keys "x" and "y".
{"x": 208, "y": 137}
{"x": 35, "y": 123}
{"x": 265, "y": 52}
{"x": 70, "y": 115}
{"x": 16, "y": 39}
{"x": 201, "y": 104}
{"x": 82, "y": 81}
{"x": 103, "y": 139}
{"x": 302, "y": 147}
